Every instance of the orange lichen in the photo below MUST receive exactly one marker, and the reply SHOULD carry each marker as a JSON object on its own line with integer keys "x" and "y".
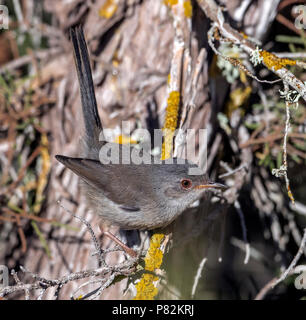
{"x": 188, "y": 8}
{"x": 108, "y": 9}
{"x": 290, "y": 195}
{"x": 170, "y": 124}
{"x": 275, "y": 63}
{"x": 146, "y": 289}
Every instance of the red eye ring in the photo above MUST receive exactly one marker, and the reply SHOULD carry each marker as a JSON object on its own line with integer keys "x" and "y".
{"x": 186, "y": 184}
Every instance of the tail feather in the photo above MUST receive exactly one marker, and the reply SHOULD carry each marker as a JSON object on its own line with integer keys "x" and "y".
{"x": 93, "y": 125}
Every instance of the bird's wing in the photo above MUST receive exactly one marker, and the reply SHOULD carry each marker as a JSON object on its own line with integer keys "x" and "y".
{"x": 119, "y": 183}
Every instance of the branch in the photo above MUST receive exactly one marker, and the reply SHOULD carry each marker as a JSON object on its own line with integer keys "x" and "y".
{"x": 290, "y": 270}
{"x": 105, "y": 274}
{"x": 214, "y": 13}
{"x": 43, "y": 283}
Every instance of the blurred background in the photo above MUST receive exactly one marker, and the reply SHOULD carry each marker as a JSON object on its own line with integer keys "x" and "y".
{"x": 131, "y": 50}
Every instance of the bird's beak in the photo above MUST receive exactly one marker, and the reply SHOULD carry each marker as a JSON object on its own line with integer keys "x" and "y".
{"x": 214, "y": 185}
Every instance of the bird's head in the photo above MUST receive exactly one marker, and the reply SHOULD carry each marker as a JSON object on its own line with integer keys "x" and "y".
{"x": 178, "y": 186}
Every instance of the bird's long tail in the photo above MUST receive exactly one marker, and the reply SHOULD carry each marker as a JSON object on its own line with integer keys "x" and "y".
{"x": 92, "y": 122}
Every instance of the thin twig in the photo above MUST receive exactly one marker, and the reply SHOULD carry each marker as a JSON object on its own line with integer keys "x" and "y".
{"x": 290, "y": 270}
{"x": 231, "y": 172}
{"x": 198, "y": 276}
{"x": 293, "y": 263}
{"x": 244, "y": 231}
{"x": 18, "y": 282}
{"x": 99, "y": 251}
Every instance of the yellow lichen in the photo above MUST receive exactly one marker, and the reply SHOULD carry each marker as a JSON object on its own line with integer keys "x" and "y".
{"x": 170, "y": 3}
{"x": 108, "y": 9}
{"x": 154, "y": 256}
{"x": 145, "y": 288}
{"x": 172, "y": 110}
{"x": 237, "y": 98}
{"x": 188, "y": 8}
{"x": 43, "y": 176}
{"x": 244, "y": 35}
{"x": 168, "y": 78}
{"x": 243, "y": 77}
{"x": 116, "y": 61}
{"x": 170, "y": 123}
{"x": 153, "y": 260}
{"x": 123, "y": 139}
{"x": 275, "y": 63}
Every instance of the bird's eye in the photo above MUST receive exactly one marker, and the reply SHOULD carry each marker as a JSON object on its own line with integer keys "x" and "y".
{"x": 186, "y": 183}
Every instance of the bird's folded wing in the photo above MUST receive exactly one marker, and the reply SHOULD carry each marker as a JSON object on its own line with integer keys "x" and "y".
{"x": 119, "y": 183}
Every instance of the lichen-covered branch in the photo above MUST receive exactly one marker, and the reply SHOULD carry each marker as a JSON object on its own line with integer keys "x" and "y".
{"x": 182, "y": 13}
{"x": 214, "y": 13}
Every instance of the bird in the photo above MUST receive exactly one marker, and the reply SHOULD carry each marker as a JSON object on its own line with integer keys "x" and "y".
{"x": 143, "y": 196}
